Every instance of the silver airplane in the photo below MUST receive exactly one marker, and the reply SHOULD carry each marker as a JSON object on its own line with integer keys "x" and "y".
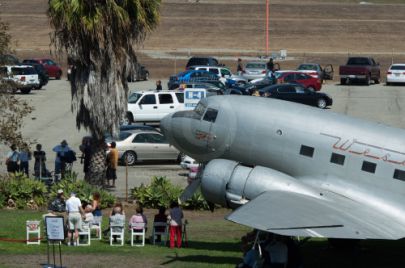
{"x": 295, "y": 170}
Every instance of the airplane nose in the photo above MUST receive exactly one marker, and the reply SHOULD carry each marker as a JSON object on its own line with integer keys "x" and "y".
{"x": 165, "y": 125}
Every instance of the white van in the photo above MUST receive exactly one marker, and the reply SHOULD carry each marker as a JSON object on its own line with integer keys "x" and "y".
{"x": 152, "y": 106}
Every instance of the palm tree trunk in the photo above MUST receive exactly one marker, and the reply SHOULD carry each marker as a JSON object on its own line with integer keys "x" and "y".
{"x": 95, "y": 174}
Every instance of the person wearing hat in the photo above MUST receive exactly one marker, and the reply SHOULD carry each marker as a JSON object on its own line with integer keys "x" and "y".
{"x": 60, "y": 164}
{"x": 58, "y": 205}
{"x": 75, "y": 214}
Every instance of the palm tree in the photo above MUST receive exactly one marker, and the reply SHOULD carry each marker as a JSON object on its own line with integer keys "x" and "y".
{"x": 99, "y": 38}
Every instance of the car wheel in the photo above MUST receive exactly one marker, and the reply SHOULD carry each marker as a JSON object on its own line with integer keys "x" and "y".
{"x": 146, "y": 76}
{"x": 129, "y": 158}
{"x": 368, "y": 80}
{"x": 342, "y": 81}
{"x": 387, "y": 83}
{"x": 129, "y": 119}
{"x": 25, "y": 91}
{"x": 321, "y": 103}
{"x": 311, "y": 88}
{"x": 58, "y": 75}
{"x": 38, "y": 87}
{"x": 376, "y": 81}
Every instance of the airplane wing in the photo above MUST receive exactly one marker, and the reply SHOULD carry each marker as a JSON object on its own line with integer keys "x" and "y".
{"x": 334, "y": 216}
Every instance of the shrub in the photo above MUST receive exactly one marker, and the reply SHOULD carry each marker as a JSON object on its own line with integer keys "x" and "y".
{"x": 18, "y": 191}
{"x": 83, "y": 190}
{"x": 161, "y": 192}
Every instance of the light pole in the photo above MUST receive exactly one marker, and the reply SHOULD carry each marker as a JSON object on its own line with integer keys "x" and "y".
{"x": 267, "y": 27}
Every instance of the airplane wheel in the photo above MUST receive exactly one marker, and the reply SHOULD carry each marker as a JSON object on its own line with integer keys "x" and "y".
{"x": 130, "y": 158}
{"x": 321, "y": 103}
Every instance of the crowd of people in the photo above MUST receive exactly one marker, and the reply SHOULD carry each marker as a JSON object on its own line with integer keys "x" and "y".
{"x": 79, "y": 215}
{"x": 18, "y": 160}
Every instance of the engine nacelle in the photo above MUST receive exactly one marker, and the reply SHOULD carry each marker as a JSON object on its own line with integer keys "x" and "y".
{"x": 231, "y": 184}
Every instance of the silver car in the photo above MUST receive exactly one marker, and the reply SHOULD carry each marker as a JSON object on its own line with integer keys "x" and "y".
{"x": 255, "y": 70}
{"x": 140, "y": 145}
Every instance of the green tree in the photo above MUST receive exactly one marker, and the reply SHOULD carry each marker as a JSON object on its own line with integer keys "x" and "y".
{"x": 99, "y": 37}
{"x": 12, "y": 109}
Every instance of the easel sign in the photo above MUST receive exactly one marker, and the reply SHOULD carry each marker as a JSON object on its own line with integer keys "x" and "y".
{"x": 55, "y": 228}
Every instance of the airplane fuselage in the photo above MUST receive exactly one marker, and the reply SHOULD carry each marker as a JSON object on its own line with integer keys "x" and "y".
{"x": 362, "y": 161}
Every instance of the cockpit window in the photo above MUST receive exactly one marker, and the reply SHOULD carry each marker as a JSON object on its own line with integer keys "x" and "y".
{"x": 200, "y": 109}
{"x": 210, "y": 115}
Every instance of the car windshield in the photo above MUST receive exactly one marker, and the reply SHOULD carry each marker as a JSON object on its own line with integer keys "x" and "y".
{"x": 134, "y": 97}
{"x": 23, "y": 70}
{"x": 256, "y": 65}
{"x": 307, "y": 67}
{"x": 397, "y": 67}
{"x": 121, "y": 136}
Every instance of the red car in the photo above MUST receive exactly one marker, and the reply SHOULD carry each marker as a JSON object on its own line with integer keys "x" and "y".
{"x": 53, "y": 69}
{"x": 306, "y": 80}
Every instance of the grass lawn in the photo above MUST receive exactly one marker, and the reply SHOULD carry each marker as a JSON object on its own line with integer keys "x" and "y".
{"x": 213, "y": 242}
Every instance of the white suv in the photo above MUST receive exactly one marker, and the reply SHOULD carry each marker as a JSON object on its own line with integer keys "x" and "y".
{"x": 23, "y": 77}
{"x": 152, "y": 106}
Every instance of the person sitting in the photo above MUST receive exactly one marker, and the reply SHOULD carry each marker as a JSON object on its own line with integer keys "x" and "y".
{"x": 117, "y": 209}
{"x": 160, "y": 217}
{"x": 117, "y": 220}
{"x": 88, "y": 217}
{"x": 138, "y": 217}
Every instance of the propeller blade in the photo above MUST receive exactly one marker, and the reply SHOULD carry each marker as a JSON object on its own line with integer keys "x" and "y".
{"x": 190, "y": 190}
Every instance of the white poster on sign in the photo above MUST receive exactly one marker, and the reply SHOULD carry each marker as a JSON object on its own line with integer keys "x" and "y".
{"x": 192, "y": 96}
{"x": 54, "y": 228}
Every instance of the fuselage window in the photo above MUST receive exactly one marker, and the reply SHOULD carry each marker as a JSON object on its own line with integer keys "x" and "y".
{"x": 337, "y": 159}
{"x": 307, "y": 151}
{"x": 369, "y": 166}
{"x": 399, "y": 175}
{"x": 210, "y": 115}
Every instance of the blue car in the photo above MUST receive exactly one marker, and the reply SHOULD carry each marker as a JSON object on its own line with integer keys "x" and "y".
{"x": 191, "y": 76}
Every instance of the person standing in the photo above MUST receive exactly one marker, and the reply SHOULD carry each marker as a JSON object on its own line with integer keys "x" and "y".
{"x": 25, "y": 157}
{"x": 12, "y": 159}
{"x": 158, "y": 85}
{"x": 60, "y": 164}
{"x": 39, "y": 164}
{"x": 239, "y": 68}
{"x": 270, "y": 65}
{"x": 75, "y": 214}
{"x": 175, "y": 218}
{"x": 112, "y": 164}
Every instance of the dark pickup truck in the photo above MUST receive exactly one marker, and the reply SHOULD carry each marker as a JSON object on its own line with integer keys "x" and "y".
{"x": 360, "y": 68}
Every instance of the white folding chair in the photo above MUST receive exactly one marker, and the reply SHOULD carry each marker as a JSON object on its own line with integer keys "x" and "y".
{"x": 138, "y": 229}
{"x": 33, "y": 228}
{"x": 84, "y": 232}
{"x": 96, "y": 225}
{"x": 118, "y": 232}
{"x": 159, "y": 228}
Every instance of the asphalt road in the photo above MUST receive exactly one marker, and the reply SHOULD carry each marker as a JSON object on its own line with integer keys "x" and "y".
{"x": 52, "y": 121}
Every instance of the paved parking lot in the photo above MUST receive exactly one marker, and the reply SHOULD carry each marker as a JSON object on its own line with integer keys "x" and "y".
{"x": 52, "y": 121}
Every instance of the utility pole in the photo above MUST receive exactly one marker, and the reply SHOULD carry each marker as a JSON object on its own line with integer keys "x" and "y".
{"x": 267, "y": 27}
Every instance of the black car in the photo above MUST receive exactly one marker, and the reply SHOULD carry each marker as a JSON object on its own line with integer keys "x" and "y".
{"x": 42, "y": 74}
{"x": 297, "y": 93}
{"x": 202, "y": 61}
